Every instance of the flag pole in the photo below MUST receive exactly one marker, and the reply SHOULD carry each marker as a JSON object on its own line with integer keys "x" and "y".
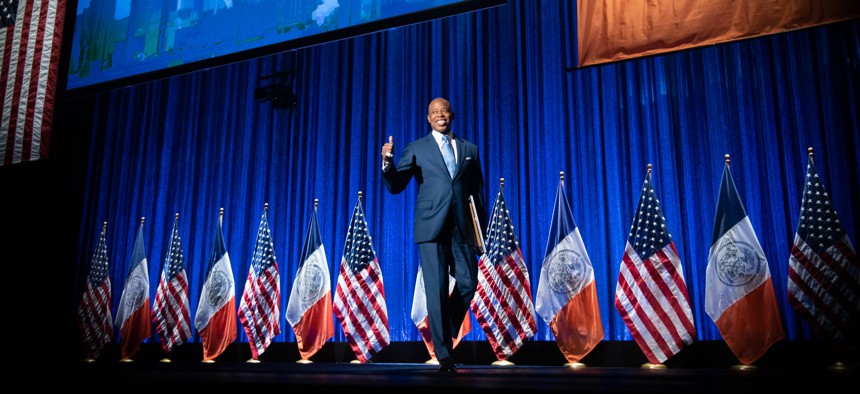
{"x": 739, "y": 367}
{"x": 497, "y": 363}
{"x": 357, "y": 361}
{"x": 128, "y": 359}
{"x": 167, "y": 359}
{"x": 652, "y": 365}
{"x": 220, "y": 225}
{"x": 577, "y": 364}
{"x": 305, "y": 360}
{"x": 253, "y": 360}
{"x": 91, "y": 359}
{"x": 837, "y": 365}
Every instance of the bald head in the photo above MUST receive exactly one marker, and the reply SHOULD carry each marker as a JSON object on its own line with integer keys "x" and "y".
{"x": 440, "y": 115}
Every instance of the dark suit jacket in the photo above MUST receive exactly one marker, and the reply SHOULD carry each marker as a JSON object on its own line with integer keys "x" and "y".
{"x": 437, "y": 192}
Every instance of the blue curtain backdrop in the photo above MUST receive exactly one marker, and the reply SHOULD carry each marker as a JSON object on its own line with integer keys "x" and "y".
{"x": 198, "y": 142}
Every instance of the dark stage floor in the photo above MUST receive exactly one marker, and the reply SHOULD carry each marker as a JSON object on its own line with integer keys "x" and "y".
{"x": 392, "y": 377}
{"x": 612, "y": 368}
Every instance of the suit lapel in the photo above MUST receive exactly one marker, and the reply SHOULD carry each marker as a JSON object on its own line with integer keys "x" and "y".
{"x": 461, "y": 155}
{"x": 431, "y": 145}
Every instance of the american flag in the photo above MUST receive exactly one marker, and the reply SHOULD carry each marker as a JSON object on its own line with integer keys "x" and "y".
{"x": 30, "y": 37}
{"x": 651, "y": 294}
{"x": 259, "y": 309}
{"x": 503, "y": 300}
{"x": 824, "y": 271}
{"x": 359, "y": 301}
{"x": 171, "y": 312}
{"x": 94, "y": 315}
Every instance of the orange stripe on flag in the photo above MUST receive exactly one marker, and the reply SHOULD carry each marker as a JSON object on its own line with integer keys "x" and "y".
{"x": 577, "y": 326}
{"x": 315, "y": 327}
{"x": 424, "y": 329}
{"x": 752, "y": 324}
{"x": 220, "y": 332}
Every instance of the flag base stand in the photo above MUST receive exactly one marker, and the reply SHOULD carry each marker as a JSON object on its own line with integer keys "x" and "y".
{"x": 576, "y": 365}
{"x": 208, "y": 361}
{"x": 432, "y": 361}
{"x": 356, "y": 362}
{"x": 126, "y": 360}
{"x": 304, "y": 361}
{"x": 89, "y": 360}
{"x": 165, "y": 360}
{"x": 653, "y": 366}
{"x": 253, "y": 361}
{"x": 839, "y": 366}
{"x": 742, "y": 367}
{"x": 502, "y": 363}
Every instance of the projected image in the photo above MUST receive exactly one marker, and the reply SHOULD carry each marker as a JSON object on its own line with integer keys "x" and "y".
{"x": 116, "y": 39}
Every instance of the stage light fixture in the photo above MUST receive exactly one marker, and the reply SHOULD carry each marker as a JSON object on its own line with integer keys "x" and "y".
{"x": 278, "y": 90}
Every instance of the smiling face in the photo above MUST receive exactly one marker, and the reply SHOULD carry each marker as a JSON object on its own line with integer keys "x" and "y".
{"x": 439, "y": 115}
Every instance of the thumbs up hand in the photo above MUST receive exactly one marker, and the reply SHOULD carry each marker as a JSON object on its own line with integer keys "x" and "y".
{"x": 388, "y": 149}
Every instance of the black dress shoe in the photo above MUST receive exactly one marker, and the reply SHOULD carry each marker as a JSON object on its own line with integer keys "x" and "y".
{"x": 447, "y": 366}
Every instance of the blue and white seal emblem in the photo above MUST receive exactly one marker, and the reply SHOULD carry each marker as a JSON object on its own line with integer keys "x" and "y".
{"x": 737, "y": 264}
{"x": 567, "y": 270}
{"x": 310, "y": 281}
{"x": 135, "y": 291}
{"x": 218, "y": 287}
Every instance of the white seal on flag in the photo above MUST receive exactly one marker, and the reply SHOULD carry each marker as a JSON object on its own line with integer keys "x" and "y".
{"x": 311, "y": 280}
{"x": 218, "y": 285}
{"x": 566, "y": 271}
{"x": 737, "y": 263}
{"x": 135, "y": 290}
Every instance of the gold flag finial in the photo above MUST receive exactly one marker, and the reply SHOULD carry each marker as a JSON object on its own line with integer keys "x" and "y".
{"x": 142, "y": 218}
{"x": 727, "y": 159}
{"x": 266, "y": 206}
{"x": 649, "y": 168}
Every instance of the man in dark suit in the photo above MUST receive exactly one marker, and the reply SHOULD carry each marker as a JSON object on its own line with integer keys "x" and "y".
{"x": 448, "y": 170}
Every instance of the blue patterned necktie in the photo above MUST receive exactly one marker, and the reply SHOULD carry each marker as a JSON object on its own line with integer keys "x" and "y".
{"x": 448, "y": 154}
